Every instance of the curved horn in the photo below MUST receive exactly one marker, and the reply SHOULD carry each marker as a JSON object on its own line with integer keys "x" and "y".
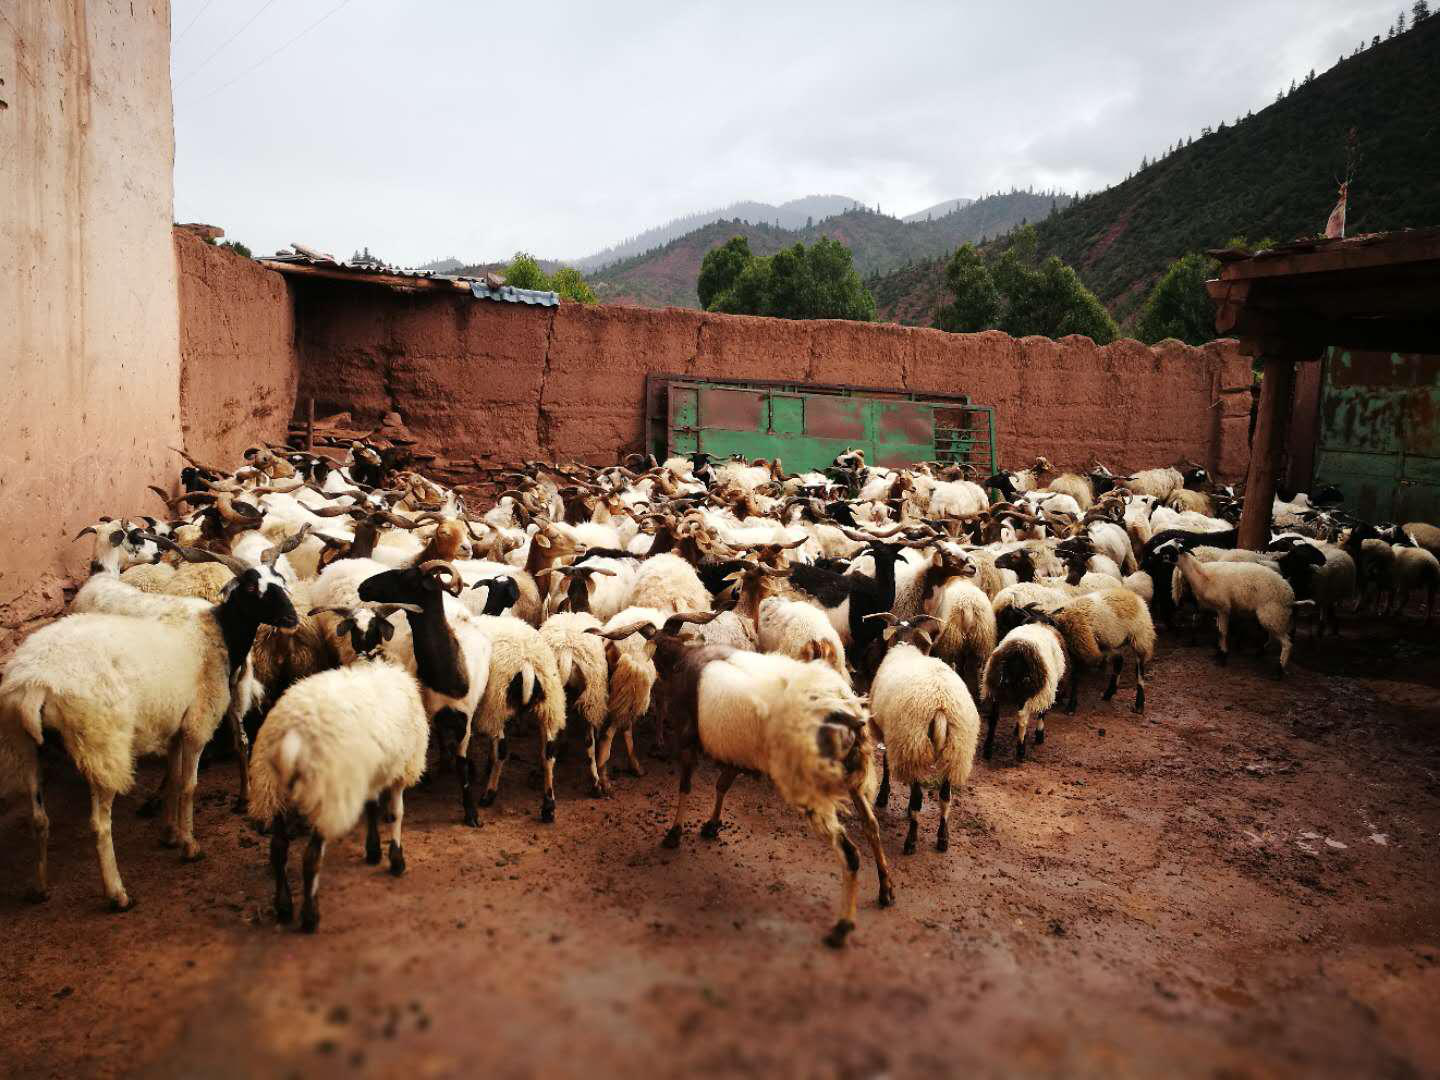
{"x": 620, "y": 633}
{"x": 699, "y": 618}
{"x": 200, "y": 555}
{"x": 288, "y": 545}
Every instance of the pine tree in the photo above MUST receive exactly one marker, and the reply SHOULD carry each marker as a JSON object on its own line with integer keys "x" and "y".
{"x": 1420, "y": 12}
{"x": 1400, "y": 23}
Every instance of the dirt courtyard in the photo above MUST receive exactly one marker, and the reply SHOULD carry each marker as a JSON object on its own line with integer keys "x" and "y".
{"x": 1242, "y": 883}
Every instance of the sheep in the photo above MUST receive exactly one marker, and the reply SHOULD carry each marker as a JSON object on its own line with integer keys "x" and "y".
{"x": 801, "y": 631}
{"x": 331, "y": 747}
{"x": 1425, "y": 535}
{"x": 1077, "y": 487}
{"x": 1413, "y": 567}
{"x": 114, "y": 687}
{"x": 796, "y": 723}
{"x": 452, "y": 659}
{"x": 1228, "y": 588}
{"x": 1331, "y": 584}
{"x": 927, "y": 720}
{"x": 118, "y": 546}
{"x": 669, "y": 584}
{"x": 1099, "y": 628}
{"x": 632, "y": 682}
{"x": 1023, "y": 672}
{"x": 584, "y": 674}
{"x": 967, "y": 632}
{"x": 1198, "y": 502}
{"x": 524, "y": 680}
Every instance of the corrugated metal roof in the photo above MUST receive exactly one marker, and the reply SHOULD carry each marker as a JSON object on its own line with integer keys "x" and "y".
{"x": 513, "y": 295}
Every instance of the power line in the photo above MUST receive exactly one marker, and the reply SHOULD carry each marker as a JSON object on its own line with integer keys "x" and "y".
{"x": 203, "y": 8}
{"x": 270, "y": 55}
{"x": 224, "y": 43}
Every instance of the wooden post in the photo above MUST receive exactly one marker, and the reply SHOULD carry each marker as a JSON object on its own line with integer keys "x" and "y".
{"x": 1265, "y": 452}
{"x": 310, "y": 426}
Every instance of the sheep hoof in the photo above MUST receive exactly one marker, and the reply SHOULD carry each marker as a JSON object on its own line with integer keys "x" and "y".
{"x": 169, "y": 840}
{"x": 372, "y": 853}
{"x": 1222, "y": 658}
{"x": 309, "y": 920}
{"x": 547, "y": 810}
{"x": 942, "y": 841}
{"x": 1039, "y": 736}
{"x": 397, "y": 859}
{"x": 284, "y": 912}
{"x": 836, "y": 938}
{"x": 710, "y": 830}
{"x": 472, "y": 819}
{"x": 887, "y": 894}
{"x": 237, "y": 804}
{"x": 121, "y": 904}
{"x": 150, "y": 807}
{"x": 37, "y": 895}
{"x": 636, "y": 769}
{"x": 1280, "y": 672}
{"x": 882, "y": 798}
{"x": 192, "y": 854}
{"x": 597, "y": 790}
{"x": 672, "y": 838}
{"x": 1020, "y": 751}
{"x": 487, "y": 798}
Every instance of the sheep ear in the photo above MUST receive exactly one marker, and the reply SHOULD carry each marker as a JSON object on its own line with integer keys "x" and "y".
{"x": 345, "y": 627}
{"x": 387, "y": 629}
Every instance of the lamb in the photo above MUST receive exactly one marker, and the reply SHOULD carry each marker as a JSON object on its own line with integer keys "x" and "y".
{"x": 331, "y": 747}
{"x": 452, "y": 659}
{"x": 632, "y": 682}
{"x": 114, "y": 687}
{"x": 927, "y": 720}
{"x": 524, "y": 681}
{"x": 798, "y": 724}
{"x": 1023, "y": 672}
{"x": 1228, "y": 588}
{"x": 585, "y": 675}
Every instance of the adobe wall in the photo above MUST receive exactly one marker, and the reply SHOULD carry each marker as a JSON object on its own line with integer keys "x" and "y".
{"x": 90, "y": 365}
{"x": 238, "y": 364}
{"x": 476, "y": 378}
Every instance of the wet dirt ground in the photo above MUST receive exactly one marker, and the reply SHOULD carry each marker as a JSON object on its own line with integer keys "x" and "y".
{"x": 1241, "y": 883}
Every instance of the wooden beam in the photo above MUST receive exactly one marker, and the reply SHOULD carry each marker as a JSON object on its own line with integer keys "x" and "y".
{"x": 1394, "y": 250}
{"x": 1265, "y": 452}
{"x": 358, "y": 277}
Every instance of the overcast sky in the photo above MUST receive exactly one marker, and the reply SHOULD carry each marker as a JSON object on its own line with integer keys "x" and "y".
{"x": 430, "y": 129}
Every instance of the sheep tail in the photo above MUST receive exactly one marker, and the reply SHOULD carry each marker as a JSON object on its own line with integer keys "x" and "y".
{"x": 28, "y": 704}
{"x": 287, "y": 757}
{"x": 527, "y": 674}
{"x": 938, "y": 724}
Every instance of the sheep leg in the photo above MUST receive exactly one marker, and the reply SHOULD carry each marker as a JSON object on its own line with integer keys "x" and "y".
{"x": 1222, "y": 627}
{"x": 189, "y": 778}
{"x": 1040, "y": 728}
{"x": 279, "y": 855}
{"x": 661, "y": 749}
{"x": 602, "y": 759}
{"x": 170, "y": 831}
{"x": 990, "y": 731}
{"x": 882, "y": 797}
{"x": 1139, "y": 684}
{"x": 849, "y": 886}
{"x": 687, "y": 772}
{"x": 1022, "y": 722}
{"x": 1285, "y": 647}
{"x": 397, "y": 816}
{"x": 241, "y": 744}
{"x": 1115, "y": 665}
{"x": 372, "y": 833}
{"x": 942, "y": 836}
{"x": 100, "y": 805}
{"x": 711, "y": 829}
{"x": 39, "y": 828}
{"x": 629, "y": 736}
{"x": 590, "y": 739}
{"x": 917, "y": 800}
{"x": 547, "y": 767}
{"x": 465, "y": 770}
{"x": 310, "y": 908}
{"x": 877, "y": 848}
{"x": 499, "y": 751}
{"x": 1073, "y": 704}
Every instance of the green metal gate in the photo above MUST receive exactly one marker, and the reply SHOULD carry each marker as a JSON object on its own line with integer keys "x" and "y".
{"x": 1380, "y": 433}
{"x": 807, "y": 424}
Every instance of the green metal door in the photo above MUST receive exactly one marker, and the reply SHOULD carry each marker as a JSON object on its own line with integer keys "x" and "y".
{"x": 1380, "y": 433}
{"x": 807, "y": 425}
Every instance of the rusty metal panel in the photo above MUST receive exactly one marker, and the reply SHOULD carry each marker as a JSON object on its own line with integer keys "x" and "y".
{"x": 733, "y": 410}
{"x": 905, "y": 422}
{"x": 835, "y": 418}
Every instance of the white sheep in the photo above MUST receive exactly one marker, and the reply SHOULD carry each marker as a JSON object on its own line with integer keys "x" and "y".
{"x": 585, "y": 675}
{"x": 668, "y": 584}
{"x": 801, "y": 631}
{"x": 928, "y": 722}
{"x": 967, "y": 632}
{"x": 115, "y": 687}
{"x": 330, "y": 748}
{"x": 1230, "y": 588}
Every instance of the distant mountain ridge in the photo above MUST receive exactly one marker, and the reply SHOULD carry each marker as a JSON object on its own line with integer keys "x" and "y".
{"x": 666, "y": 275}
{"x": 789, "y": 215}
{"x": 938, "y": 210}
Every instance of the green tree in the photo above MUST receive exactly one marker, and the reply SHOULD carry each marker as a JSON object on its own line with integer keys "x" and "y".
{"x": 977, "y": 301}
{"x": 524, "y": 272}
{"x": 571, "y": 285}
{"x": 1178, "y": 306}
{"x": 721, "y": 267}
{"x": 819, "y": 282}
{"x": 237, "y": 247}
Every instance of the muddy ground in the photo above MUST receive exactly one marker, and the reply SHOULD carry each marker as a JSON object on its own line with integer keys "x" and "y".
{"x": 1242, "y": 883}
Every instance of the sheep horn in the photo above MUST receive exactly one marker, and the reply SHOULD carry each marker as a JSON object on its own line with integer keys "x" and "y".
{"x": 89, "y": 530}
{"x": 384, "y": 611}
{"x": 398, "y": 521}
{"x": 285, "y": 547}
{"x": 200, "y": 555}
{"x": 647, "y": 629}
{"x": 700, "y": 618}
{"x": 439, "y": 567}
{"x": 328, "y": 610}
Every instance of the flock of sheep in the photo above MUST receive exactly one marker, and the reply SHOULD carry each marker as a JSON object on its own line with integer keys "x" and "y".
{"x": 831, "y": 632}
